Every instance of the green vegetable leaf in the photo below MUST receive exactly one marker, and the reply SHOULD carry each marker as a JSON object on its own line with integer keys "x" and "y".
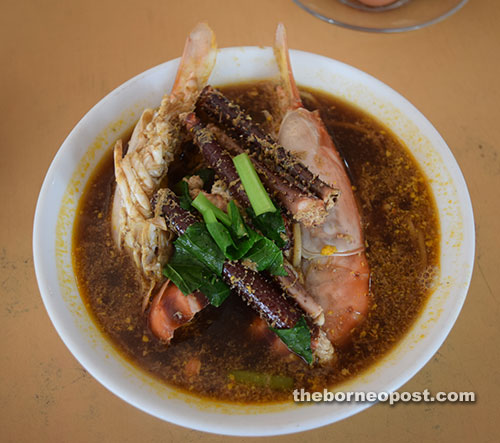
{"x": 216, "y": 291}
{"x": 189, "y": 274}
{"x": 271, "y": 225}
{"x": 298, "y": 339}
{"x": 246, "y": 245}
{"x": 187, "y": 282}
{"x": 233, "y": 249}
{"x": 266, "y": 255}
{"x": 182, "y": 190}
{"x": 198, "y": 242}
{"x": 185, "y": 271}
{"x": 237, "y": 226}
{"x": 201, "y": 251}
{"x": 231, "y": 236}
{"x": 223, "y": 238}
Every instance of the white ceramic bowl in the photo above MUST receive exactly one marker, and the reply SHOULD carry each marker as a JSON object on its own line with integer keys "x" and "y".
{"x": 114, "y": 114}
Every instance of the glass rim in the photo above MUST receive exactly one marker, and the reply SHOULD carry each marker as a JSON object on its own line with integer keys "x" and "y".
{"x": 381, "y": 30}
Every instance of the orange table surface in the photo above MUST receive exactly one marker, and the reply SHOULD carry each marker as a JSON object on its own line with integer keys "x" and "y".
{"x": 60, "y": 57}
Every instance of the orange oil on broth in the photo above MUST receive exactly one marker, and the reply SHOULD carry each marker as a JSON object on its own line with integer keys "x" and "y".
{"x": 401, "y": 229}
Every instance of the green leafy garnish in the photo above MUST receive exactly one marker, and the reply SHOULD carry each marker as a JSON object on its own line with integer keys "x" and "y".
{"x": 260, "y": 379}
{"x": 267, "y": 256}
{"x": 298, "y": 339}
{"x": 232, "y": 248}
{"x": 189, "y": 274}
{"x": 236, "y": 240}
{"x": 182, "y": 190}
{"x": 231, "y": 236}
{"x": 185, "y": 271}
{"x": 224, "y": 241}
{"x": 198, "y": 242}
{"x": 271, "y": 225}
{"x": 259, "y": 198}
{"x": 201, "y": 251}
{"x": 237, "y": 226}
{"x": 216, "y": 291}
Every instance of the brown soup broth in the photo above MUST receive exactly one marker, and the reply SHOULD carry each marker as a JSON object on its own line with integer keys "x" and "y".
{"x": 402, "y": 233}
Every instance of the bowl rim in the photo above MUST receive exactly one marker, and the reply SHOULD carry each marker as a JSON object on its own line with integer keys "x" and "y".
{"x": 49, "y": 295}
